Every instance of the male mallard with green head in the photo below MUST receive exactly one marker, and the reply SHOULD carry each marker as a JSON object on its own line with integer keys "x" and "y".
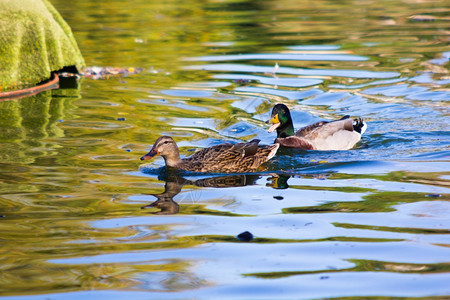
{"x": 223, "y": 158}
{"x": 341, "y": 134}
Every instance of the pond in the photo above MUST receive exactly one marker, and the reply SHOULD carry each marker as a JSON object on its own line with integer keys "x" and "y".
{"x": 81, "y": 216}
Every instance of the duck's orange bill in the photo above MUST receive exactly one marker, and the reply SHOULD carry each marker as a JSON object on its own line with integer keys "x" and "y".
{"x": 275, "y": 121}
{"x": 150, "y": 155}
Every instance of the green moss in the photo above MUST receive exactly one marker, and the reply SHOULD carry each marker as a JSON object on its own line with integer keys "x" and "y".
{"x": 34, "y": 41}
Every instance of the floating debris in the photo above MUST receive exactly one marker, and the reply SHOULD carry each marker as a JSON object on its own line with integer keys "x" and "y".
{"x": 275, "y": 69}
{"x": 105, "y": 72}
{"x": 433, "y": 195}
{"x": 319, "y": 162}
{"x": 242, "y": 81}
{"x": 278, "y": 197}
{"x": 245, "y": 236}
{"x": 422, "y": 18}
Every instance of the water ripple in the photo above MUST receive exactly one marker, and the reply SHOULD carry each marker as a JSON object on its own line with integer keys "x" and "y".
{"x": 281, "y": 56}
{"x": 225, "y": 67}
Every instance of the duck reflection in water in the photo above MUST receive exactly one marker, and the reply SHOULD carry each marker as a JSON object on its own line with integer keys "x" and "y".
{"x": 174, "y": 184}
{"x": 165, "y": 201}
{"x": 279, "y": 181}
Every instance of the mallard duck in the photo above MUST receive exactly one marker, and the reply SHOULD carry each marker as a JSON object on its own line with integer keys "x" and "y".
{"x": 223, "y": 158}
{"x": 341, "y": 134}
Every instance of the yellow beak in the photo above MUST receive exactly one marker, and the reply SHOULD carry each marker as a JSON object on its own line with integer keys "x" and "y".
{"x": 276, "y": 123}
{"x": 274, "y": 120}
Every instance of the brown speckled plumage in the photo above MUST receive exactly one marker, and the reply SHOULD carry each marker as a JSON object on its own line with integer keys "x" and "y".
{"x": 223, "y": 158}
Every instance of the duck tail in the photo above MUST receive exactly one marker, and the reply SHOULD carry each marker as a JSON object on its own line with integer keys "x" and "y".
{"x": 273, "y": 150}
{"x": 359, "y": 125}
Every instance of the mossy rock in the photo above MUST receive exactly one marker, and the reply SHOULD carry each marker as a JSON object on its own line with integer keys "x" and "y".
{"x": 34, "y": 41}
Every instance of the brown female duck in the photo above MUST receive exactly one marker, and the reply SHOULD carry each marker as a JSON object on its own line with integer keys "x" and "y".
{"x": 223, "y": 158}
{"x": 341, "y": 134}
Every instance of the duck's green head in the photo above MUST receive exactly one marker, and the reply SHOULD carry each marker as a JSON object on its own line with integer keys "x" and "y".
{"x": 282, "y": 121}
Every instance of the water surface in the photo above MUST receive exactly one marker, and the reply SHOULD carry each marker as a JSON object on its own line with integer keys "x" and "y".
{"x": 368, "y": 222}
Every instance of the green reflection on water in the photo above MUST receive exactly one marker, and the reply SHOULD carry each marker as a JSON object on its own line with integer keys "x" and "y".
{"x": 65, "y": 162}
{"x": 26, "y": 123}
{"x": 376, "y": 202}
{"x": 367, "y": 266}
